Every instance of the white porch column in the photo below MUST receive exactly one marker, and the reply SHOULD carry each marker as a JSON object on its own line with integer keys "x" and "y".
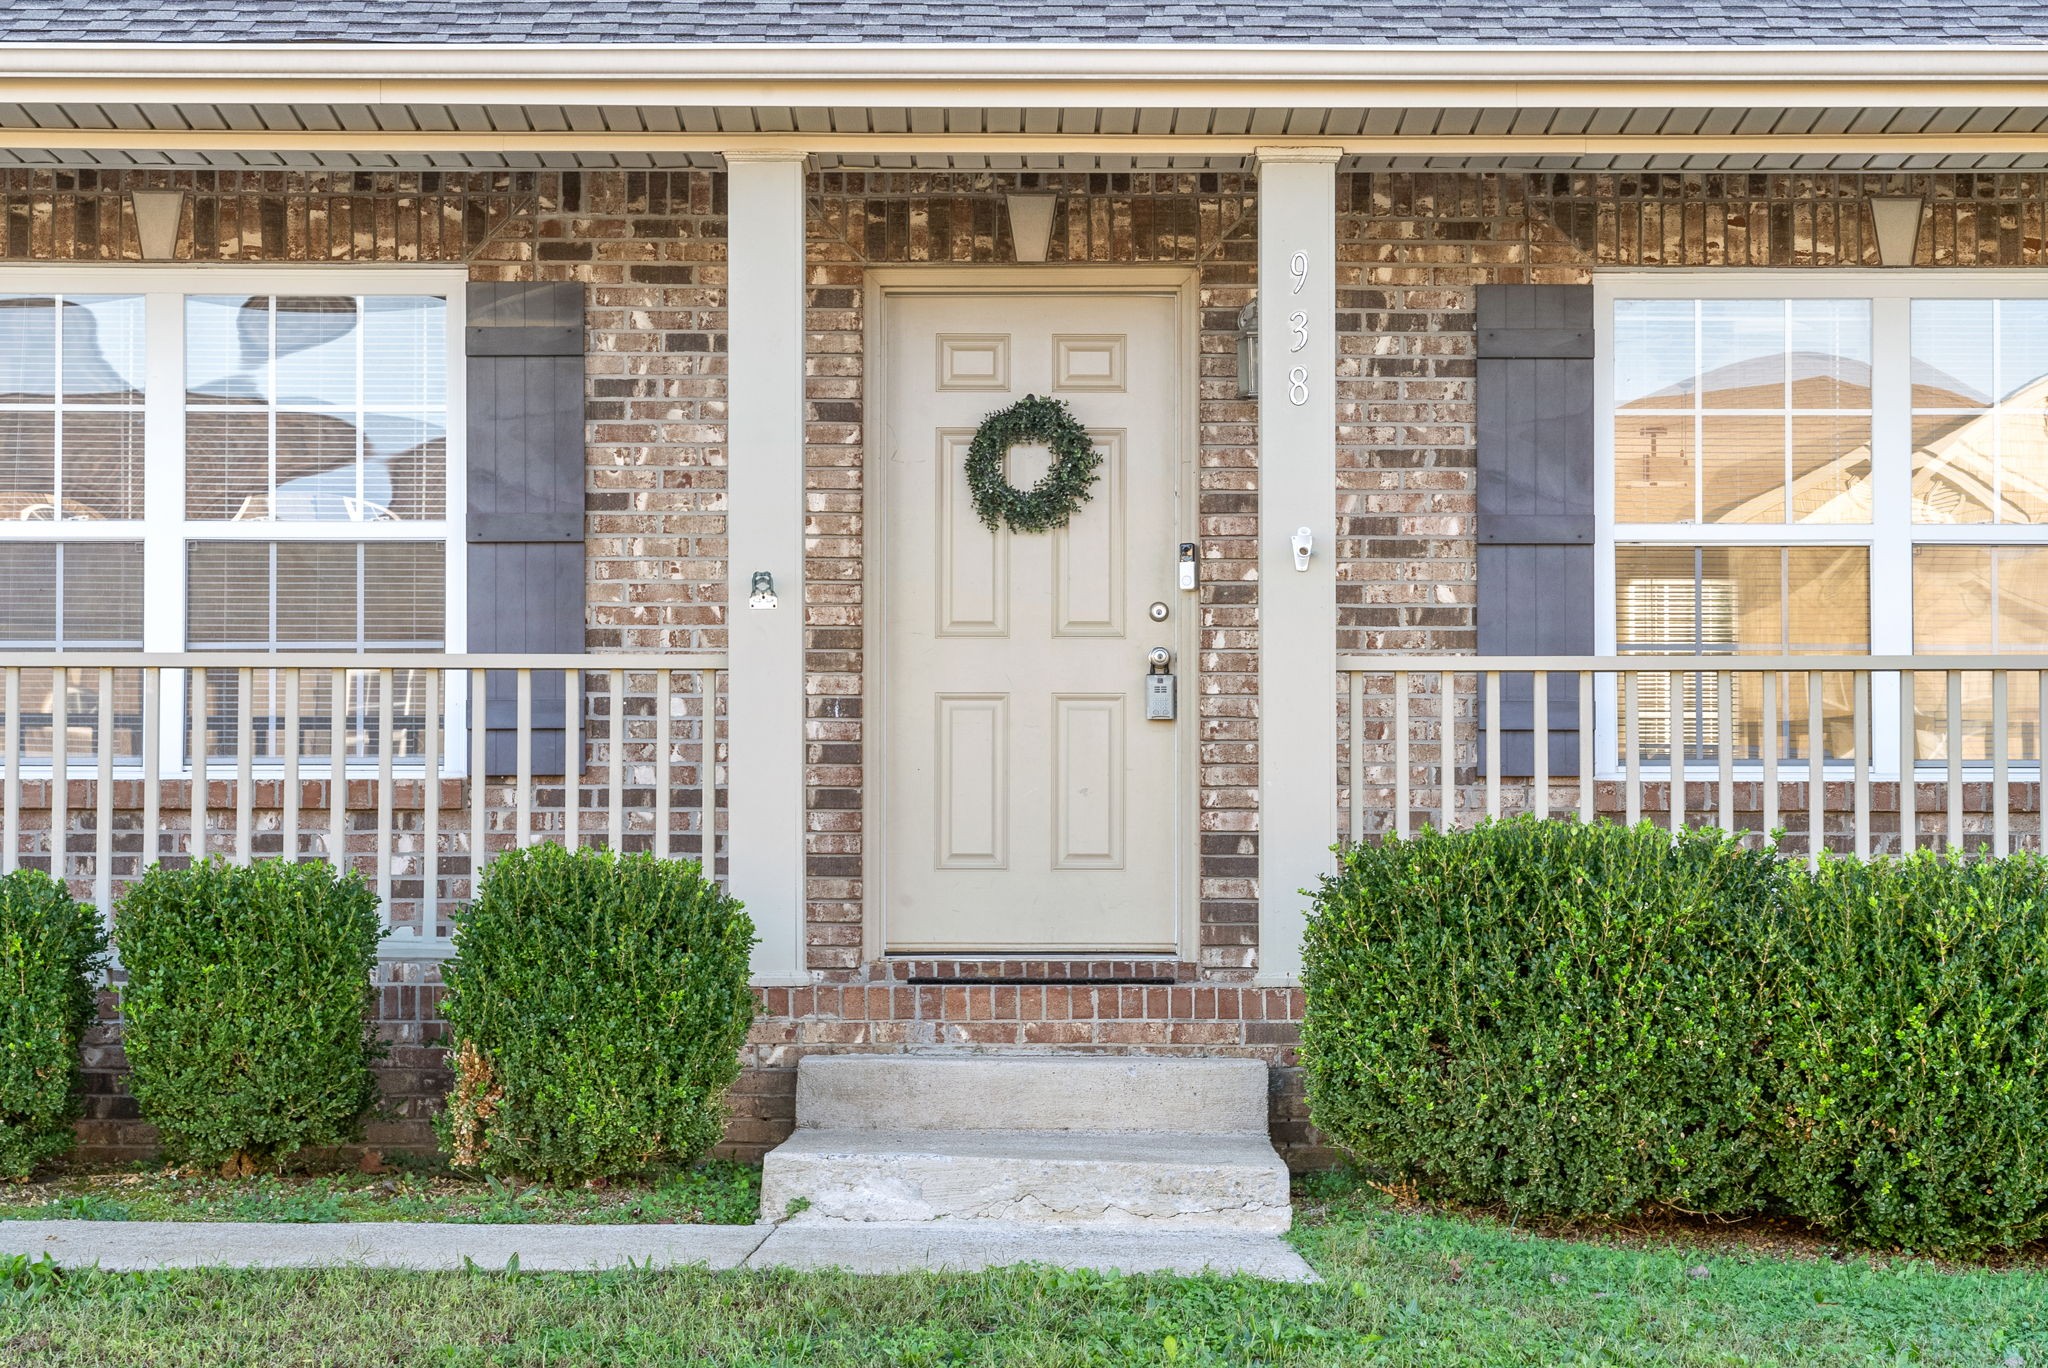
{"x": 1297, "y": 368}
{"x": 764, "y": 532}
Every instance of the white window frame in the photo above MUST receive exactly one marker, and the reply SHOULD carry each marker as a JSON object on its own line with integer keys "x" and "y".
{"x": 164, "y": 530}
{"x": 1891, "y": 294}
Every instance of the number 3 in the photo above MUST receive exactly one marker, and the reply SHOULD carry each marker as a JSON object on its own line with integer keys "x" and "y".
{"x": 1297, "y": 385}
{"x": 1297, "y": 324}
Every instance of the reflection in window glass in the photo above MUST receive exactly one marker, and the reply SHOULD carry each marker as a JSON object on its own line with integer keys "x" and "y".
{"x": 317, "y": 596}
{"x": 70, "y": 407}
{"x": 1979, "y": 600}
{"x": 81, "y": 596}
{"x": 1742, "y": 411}
{"x": 1743, "y": 601}
{"x": 1980, "y": 411}
{"x": 316, "y": 408}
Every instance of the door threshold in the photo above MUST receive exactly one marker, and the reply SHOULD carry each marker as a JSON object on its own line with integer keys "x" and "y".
{"x": 1037, "y": 969}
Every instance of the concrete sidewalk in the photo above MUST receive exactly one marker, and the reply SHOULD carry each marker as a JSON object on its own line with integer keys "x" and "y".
{"x": 871, "y": 1247}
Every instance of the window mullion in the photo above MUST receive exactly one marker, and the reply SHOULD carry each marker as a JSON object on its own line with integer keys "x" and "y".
{"x": 1891, "y": 516}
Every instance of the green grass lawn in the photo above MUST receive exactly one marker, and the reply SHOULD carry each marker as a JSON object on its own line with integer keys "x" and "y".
{"x": 714, "y": 1193}
{"x": 1401, "y": 1288}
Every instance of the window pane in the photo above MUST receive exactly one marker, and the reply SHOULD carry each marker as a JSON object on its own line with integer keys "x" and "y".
{"x": 312, "y": 595}
{"x": 317, "y": 408}
{"x": 324, "y": 596}
{"x": 1655, "y": 365}
{"x": 1718, "y": 600}
{"x": 405, "y": 352}
{"x": 71, "y": 372}
{"x": 1980, "y": 411}
{"x": 404, "y": 598}
{"x": 319, "y": 594}
{"x": 1979, "y": 600}
{"x": 1655, "y": 467}
{"x": 1830, "y": 468}
{"x": 1742, "y": 411}
{"x": 1742, "y": 353}
{"x": 28, "y": 466}
{"x": 102, "y": 463}
{"x": 1743, "y": 469}
{"x": 74, "y": 597}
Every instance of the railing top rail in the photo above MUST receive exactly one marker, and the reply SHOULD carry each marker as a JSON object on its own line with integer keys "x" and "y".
{"x": 1353, "y": 662}
{"x": 345, "y": 660}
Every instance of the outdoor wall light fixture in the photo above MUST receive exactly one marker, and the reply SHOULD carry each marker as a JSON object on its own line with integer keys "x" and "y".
{"x": 1031, "y": 225}
{"x": 1896, "y": 219}
{"x": 1248, "y": 351}
{"x": 157, "y": 215}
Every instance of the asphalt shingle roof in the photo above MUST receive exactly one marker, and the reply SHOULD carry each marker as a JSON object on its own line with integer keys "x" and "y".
{"x": 1025, "y": 21}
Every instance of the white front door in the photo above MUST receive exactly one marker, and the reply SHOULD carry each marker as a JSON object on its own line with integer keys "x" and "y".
{"x": 1029, "y": 803}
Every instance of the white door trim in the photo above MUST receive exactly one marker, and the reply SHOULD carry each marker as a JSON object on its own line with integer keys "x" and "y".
{"x": 1179, "y": 283}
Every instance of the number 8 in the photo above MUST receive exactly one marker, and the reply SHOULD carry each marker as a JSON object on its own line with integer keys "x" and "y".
{"x": 1297, "y": 385}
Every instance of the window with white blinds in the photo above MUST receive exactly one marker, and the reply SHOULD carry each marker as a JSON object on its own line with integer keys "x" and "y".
{"x": 235, "y": 461}
{"x": 82, "y": 596}
{"x": 1838, "y": 463}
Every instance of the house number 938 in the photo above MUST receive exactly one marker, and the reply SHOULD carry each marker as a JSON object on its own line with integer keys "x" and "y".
{"x": 1297, "y": 330}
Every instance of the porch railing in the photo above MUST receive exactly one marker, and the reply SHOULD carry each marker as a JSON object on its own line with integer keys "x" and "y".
{"x": 404, "y": 766}
{"x": 1855, "y": 754}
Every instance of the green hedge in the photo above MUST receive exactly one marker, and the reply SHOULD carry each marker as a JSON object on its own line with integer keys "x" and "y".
{"x": 52, "y": 951}
{"x": 246, "y": 1016}
{"x": 598, "y": 1005}
{"x": 1913, "y": 1038}
{"x": 1589, "y": 1019}
{"x": 1540, "y": 1014}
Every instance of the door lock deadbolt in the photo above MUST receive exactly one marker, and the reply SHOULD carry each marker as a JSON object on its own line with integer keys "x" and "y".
{"x": 1158, "y": 611}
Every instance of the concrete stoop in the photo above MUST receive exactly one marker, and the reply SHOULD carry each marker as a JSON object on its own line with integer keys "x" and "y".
{"x": 1085, "y": 1142}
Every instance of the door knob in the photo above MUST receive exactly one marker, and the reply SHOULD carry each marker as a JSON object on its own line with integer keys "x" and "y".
{"x": 1159, "y": 686}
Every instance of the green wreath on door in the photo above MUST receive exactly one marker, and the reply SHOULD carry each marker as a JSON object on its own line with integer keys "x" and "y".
{"x": 1065, "y": 487}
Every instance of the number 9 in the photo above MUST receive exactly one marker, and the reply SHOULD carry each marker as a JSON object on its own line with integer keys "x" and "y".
{"x": 1298, "y": 268}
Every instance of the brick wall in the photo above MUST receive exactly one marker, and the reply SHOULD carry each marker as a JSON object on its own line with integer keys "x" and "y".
{"x": 651, "y": 248}
{"x": 862, "y": 219}
{"x": 1412, "y": 248}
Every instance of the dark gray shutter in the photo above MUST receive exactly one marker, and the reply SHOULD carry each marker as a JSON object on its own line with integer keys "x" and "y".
{"x": 1535, "y": 364}
{"x": 525, "y": 528}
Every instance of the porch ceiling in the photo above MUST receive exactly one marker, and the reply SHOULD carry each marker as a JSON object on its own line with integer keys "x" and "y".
{"x": 1012, "y": 108}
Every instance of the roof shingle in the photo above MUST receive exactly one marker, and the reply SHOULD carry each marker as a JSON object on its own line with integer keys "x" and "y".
{"x": 1369, "y": 22}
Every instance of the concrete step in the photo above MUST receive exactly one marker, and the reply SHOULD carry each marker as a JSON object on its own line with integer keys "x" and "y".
{"x": 1005, "y": 1092}
{"x": 1046, "y": 1177}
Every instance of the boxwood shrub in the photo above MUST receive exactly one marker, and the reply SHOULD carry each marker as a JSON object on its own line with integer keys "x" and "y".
{"x": 52, "y": 951}
{"x": 1913, "y": 1043}
{"x": 597, "y": 1004}
{"x": 246, "y": 1015}
{"x": 1562, "y": 1018}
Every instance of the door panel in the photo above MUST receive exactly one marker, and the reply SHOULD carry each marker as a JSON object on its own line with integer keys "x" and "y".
{"x": 1029, "y": 804}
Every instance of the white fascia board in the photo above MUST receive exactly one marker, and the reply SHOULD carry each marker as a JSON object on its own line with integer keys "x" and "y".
{"x": 616, "y": 72}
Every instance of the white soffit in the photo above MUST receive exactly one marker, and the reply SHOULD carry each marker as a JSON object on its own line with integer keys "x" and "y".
{"x": 999, "y": 107}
